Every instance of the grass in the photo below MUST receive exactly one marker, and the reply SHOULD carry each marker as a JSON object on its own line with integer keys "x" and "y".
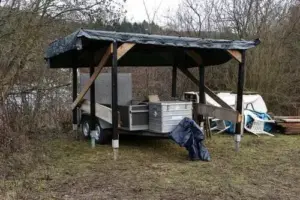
{"x": 265, "y": 168}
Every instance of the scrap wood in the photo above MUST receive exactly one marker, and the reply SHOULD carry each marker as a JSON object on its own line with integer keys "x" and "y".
{"x": 289, "y": 125}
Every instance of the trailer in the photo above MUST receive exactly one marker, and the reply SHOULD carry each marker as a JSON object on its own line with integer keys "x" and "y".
{"x": 136, "y": 117}
{"x": 94, "y": 50}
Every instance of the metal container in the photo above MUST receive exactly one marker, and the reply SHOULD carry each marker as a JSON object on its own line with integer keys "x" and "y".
{"x": 103, "y": 88}
{"x": 134, "y": 117}
{"x": 164, "y": 116}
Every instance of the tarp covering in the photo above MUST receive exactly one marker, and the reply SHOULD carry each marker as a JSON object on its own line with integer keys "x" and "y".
{"x": 189, "y": 135}
{"x": 85, "y": 48}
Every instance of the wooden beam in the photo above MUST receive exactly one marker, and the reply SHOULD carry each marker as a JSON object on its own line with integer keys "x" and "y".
{"x": 74, "y": 94}
{"x": 237, "y": 55}
{"x": 206, "y": 89}
{"x": 114, "y": 89}
{"x": 240, "y": 89}
{"x": 174, "y": 81}
{"x": 122, "y": 50}
{"x": 93, "y": 102}
{"x": 93, "y": 77}
{"x": 217, "y": 112}
{"x": 196, "y": 57}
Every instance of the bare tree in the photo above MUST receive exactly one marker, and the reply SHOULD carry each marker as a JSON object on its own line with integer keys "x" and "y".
{"x": 151, "y": 19}
{"x": 272, "y": 68}
{"x": 31, "y": 94}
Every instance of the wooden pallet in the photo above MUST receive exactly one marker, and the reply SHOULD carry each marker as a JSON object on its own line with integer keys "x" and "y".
{"x": 289, "y": 125}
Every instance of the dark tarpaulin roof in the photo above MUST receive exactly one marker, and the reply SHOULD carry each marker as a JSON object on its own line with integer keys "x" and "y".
{"x": 85, "y": 48}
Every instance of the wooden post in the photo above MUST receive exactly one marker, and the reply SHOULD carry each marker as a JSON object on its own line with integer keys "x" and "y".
{"x": 201, "y": 84}
{"x": 74, "y": 84}
{"x": 198, "y": 59}
{"x": 239, "y": 105}
{"x": 122, "y": 50}
{"x": 207, "y": 90}
{"x": 201, "y": 89}
{"x": 93, "y": 101}
{"x": 174, "y": 81}
{"x": 114, "y": 103}
{"x": 93, "y": 77}
{"x": 93, "y": 110}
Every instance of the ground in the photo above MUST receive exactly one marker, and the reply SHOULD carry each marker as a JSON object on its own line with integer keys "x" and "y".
{"x": 265, "y": 168}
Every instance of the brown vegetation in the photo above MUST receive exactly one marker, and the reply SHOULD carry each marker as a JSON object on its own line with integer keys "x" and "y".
{"x": 35, "y": 101}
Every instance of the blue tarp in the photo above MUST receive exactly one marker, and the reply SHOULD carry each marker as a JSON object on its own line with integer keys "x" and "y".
{"x": 189, "y": 135}
{"x": 86, "y": 47}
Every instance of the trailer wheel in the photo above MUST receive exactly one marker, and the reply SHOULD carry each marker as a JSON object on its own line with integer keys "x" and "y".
{"x": 102, "y": 137}
{"x": 85, "y": 128}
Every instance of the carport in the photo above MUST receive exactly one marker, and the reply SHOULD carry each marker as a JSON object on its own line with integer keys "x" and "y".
{"x": 96, "y": 49}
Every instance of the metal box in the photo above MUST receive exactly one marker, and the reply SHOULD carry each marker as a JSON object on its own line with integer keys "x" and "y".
{"x": 134, "y": 117}
{"x": 165, "y": 116}
{"x": 103, "y": 88}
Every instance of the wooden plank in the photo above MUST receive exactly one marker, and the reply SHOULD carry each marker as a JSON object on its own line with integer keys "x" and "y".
{"x": 206, "y": 89}
{"x": 286, "y": 117}
{"x": 122, "y": 50}
{"x": 291, "y": 120}
{"x": 93, "y": 77}
{"x": 217, "y": 112}
{"x": 236, "y": 55}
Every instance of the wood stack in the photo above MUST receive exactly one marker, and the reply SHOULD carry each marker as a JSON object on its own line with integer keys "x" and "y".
{"x": 289, "y": 125}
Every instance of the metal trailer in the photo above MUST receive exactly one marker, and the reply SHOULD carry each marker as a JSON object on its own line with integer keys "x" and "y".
{"x": 135, "y": 117}
{"x": 95, "y": 49}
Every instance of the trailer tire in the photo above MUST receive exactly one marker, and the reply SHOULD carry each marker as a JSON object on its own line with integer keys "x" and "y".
{"x": 85, "y": 127}
{"x": 99, "y": 135}
{"x": 102, "y": 136}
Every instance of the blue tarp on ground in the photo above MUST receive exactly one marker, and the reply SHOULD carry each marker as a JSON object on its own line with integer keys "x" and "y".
{"x": 189, "y": 135}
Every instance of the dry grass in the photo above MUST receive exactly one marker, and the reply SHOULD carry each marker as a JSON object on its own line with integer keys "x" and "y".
{"x": 266, "y": 168}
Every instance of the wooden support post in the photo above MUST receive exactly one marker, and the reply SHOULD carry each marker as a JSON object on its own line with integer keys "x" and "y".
{"x": 207, "y": 90}
{"x": 237, "y": 55}
{"x": 74, "y": 94}
{"x": 122, "y": 50}
{"x": 174, "y": 81}
{"x": 93, "y": 102}
{"x": 201, "y": 89}
{"x": 239, "y": 106}
{"x": 114, "y": 82}
{"x": 198, "y": 59}
{"x": 92, "y": 110}
{"x": 93, "y": 77}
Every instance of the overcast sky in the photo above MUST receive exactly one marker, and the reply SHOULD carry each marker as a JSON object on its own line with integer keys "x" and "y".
{"x": 136, "y": 11}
